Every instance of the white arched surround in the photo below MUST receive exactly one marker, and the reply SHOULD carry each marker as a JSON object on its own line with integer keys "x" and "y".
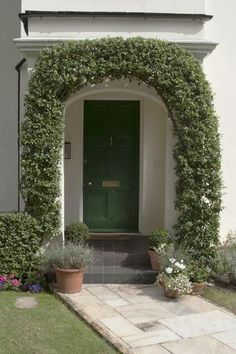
{"x": 156, "y": 187}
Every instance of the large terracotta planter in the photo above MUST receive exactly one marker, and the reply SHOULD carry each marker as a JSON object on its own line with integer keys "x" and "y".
{"x": 153, "y": 256}
{"x": 198, "y": 287}
{"x": 69, "y": 281}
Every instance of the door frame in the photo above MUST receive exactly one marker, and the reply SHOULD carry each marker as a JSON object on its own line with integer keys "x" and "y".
{"x": 140, "y": 154}
{"x": 114, "y": 95}
{"x": 73, "y": 168}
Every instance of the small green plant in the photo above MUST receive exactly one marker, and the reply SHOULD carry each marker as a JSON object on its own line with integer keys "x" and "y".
{"x": 71, "y": 256}
{"x": 226, "y": 269}
{"x": 158, "y": 239}
{"x": 77, "y": 232}
{"x": 230, "y": 239}
{"x": 197, "y": 272}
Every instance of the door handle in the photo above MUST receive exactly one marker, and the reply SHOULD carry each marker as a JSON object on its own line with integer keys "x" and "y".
{"x": 89, "y": 183}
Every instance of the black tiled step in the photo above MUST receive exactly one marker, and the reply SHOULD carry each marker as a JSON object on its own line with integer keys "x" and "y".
{"x": 146, "y": 276}
{"x": 120, "y": 261}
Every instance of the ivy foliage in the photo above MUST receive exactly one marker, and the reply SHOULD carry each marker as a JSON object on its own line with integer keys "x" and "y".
{"x": 19, "y": 243}
{"x": 176, "y": 76}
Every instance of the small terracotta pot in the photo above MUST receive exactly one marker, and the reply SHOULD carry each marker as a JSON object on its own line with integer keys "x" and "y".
{"x": 171, "y": 293}
{"x": 69, "y": 281}
{"x": 161, "y": 281}
{"x": 153, "y": 255}
{"x": 198, "y": 287}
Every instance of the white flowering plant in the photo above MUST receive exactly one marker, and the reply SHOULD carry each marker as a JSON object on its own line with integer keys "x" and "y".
{"x": 178, "y": 286}
{"x": 174, "y": 268}
{"x": 161, "y": 248}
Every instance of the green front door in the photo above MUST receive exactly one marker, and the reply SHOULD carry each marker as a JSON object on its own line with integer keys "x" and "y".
{"x": 111, "y": 165}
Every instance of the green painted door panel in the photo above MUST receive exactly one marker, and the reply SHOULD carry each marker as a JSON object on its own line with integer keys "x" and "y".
{"x": 111, "y": 153}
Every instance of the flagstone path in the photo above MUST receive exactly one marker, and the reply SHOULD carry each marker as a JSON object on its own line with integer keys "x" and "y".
{"x": 138, "y": 319}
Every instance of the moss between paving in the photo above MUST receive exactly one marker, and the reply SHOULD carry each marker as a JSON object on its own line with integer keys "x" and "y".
{"x": 222, "y": 296}
{"x": 50, "y": 328}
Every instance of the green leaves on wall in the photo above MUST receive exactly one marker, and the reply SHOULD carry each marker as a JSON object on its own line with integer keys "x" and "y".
{"x": 177, "y": 77}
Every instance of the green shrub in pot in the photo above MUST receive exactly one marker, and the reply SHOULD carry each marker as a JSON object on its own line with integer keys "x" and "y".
{"x": 77, "y": 232}
{"x": 158, "y": 239}
{"x": 197, "y": 272}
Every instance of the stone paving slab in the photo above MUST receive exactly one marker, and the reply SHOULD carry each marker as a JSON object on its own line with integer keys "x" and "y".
{"x": 103, "y": 293}
{"x": 139, "y": 295}
{"x": 151, "y": 349}
{"x": 26, "y": 302}
{"x": 138, "y": 319}
{"x": 120, "y": 326}
{"x": 116, "y": 302}
{"x": 198, "y": 345}
{"x": 227, "y": 337}
{"x": 159, "y": 335}
{"x": 139, "y": 313}
{"x": 201, "y": 323}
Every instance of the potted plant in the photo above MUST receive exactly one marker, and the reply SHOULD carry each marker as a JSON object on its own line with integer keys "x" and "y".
{"x": 158, "y": 241}
{"x": 77, "y": 232}
{"x": 198, "y": 275}
{"x": 174, "y": 279}
{"x": 175, "y": 287}
{"x": 69, "y": 263}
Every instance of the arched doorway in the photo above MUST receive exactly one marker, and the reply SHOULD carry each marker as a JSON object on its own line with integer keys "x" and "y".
{"x": 176, "y": 76}
{"x": 156, "y": 167}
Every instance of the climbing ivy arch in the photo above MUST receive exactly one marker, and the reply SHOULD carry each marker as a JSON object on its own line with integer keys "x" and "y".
{"x": 176, "y": 76}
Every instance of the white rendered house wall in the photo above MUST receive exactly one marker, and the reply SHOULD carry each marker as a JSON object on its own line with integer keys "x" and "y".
{"x": 176, "y": 6}
{"x": 220, "y": 68}
{"x": 9, "y": 57}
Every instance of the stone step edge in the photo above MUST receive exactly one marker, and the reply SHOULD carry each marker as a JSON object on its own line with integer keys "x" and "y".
{"x": 113, "y": 236}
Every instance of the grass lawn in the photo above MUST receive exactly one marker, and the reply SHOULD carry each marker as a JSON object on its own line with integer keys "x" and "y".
{"x": 50, "y": 328}
{"x": 222, "y": 296}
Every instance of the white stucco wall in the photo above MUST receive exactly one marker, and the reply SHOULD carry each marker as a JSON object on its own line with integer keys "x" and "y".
{"x": 90, "y": 27}
{"x": 9, "y": 56}
{"x": 94, "y": 27}
{"x": 178, "y": 6}
{"x": 220, "y": 68}
{"x": 155, "y": 161}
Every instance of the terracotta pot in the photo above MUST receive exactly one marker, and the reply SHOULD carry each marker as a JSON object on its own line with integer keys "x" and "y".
{"x": 69, "y": 281}
{"x": 171, "y": 293}
{"x": 198, "y": 287}
{"x": 153, "y": 255}
{"x": 161, "y": 281}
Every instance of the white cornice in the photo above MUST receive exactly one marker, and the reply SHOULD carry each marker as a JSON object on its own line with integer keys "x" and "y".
{"x": 30, "y": 46}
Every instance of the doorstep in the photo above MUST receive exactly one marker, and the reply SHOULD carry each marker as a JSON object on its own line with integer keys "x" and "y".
{"x": 113, "y": 235}
{"x": 124, "y": 261}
